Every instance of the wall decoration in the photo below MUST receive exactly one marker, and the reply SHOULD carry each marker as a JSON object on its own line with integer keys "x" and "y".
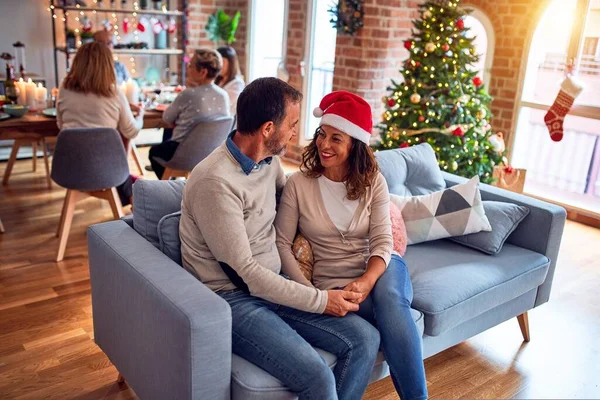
{"x": 347, "y": 16}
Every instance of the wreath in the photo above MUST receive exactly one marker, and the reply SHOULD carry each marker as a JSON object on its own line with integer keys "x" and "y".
{"x": 347, "y": 16}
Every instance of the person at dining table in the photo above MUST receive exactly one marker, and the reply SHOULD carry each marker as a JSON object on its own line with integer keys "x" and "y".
{"x": 89, "y": 98}
{"x": 105, "y": 37}
{"x": 230, "y": 77}
{"x": 201, "y": 101}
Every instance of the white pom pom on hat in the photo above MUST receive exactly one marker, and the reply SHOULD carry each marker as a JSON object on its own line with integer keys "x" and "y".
{"x": 318, "y": 112}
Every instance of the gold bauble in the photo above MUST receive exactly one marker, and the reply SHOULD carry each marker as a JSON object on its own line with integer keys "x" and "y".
{"x": 481, "y": 113}
{"x": 415, "y": 98}
{"x": 430, "y": 47}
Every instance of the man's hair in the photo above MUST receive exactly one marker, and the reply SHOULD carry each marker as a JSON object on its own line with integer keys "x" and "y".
{"x": 264, "y": 100}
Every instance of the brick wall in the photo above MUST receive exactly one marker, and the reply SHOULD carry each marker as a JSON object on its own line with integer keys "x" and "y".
{"x": 199, "y": 11}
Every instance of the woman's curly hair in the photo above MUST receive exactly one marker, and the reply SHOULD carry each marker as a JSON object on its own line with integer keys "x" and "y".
{"x": 362, "y": 166}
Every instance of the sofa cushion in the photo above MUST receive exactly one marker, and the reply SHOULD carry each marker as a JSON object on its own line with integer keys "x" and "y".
{"x": 453, "y": 284}
{"x": 168, "y": 236}
{"x": 504, "y": 219}
{"x": 450, "y": 212}
{"x": 250, "y": 382}
{"x": 411, "y": 171}
{"x": 152, "y": 200}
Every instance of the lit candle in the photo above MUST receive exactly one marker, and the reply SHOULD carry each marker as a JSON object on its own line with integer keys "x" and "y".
{"x": 30, "y": 90}
{"x": 22, "y": 100}
{"x": 41, "y": 96}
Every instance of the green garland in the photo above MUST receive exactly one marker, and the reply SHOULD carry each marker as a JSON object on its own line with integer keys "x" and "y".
{"x": 347, "y": 16}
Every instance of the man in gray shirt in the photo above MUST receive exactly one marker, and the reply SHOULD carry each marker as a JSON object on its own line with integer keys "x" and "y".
{"x": 228, "y": 242}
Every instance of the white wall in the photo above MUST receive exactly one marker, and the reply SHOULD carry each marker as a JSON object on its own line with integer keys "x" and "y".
{"x": 29, "y": 22}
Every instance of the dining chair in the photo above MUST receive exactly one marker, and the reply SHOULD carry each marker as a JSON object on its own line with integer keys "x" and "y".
{"x": 88, "y": 162}
{"x": 199, "y": 143}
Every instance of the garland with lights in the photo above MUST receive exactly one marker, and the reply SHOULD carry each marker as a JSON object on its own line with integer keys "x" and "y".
{"x": 441, "y": 100}
{"x": 347, "y": 16}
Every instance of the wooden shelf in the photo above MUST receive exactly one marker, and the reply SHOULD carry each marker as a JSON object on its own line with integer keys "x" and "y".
{"x": 166, "y": 52}
{"x": 121, "y": 11}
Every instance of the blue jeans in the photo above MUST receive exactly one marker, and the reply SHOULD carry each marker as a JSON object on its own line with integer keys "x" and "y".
{"x": 388, "y": 308}
{"x": 279, "y": 340}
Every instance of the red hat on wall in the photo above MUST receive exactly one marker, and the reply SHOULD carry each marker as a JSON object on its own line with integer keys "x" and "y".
{"x": 347, "y": 112}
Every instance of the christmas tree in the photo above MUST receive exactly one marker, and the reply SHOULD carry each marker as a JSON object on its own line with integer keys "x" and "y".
{"x": 440, "y": 100}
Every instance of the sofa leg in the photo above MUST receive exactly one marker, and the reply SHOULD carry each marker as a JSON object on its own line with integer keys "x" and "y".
{"x": 524, "y": 325}
{"x": 120, "y": 379}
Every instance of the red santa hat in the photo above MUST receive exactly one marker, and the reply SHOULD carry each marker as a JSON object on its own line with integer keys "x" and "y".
{"x": 347, "y": 112}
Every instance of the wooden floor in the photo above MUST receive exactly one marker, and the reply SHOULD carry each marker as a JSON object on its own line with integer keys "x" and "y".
{"x": 46, "y": 334}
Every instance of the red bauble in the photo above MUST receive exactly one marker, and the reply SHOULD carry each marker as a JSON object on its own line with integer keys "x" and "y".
{"x": 458, "y": 132}
{"x": 417, "y": 64}
{"x": 460, "y": 24}
{"x": 445, "y": 47}
{"x": 404, "y": 145}
{"x": 477, "y": 81}
{"x": 408, "y": 44}
{"x": 421, "y": 118}
{"x": 391, "y": 103}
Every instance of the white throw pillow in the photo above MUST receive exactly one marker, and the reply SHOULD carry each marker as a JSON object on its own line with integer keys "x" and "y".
{"x": 450, "y": 212}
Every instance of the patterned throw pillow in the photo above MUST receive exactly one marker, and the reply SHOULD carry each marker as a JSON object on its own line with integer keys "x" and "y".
{"x": 398, "y": 230}
{"x": 450, "y": 212}
{"x": 304, "y": 255}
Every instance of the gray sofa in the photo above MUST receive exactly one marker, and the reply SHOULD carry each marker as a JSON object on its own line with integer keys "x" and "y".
{"x": 170, "y": 336}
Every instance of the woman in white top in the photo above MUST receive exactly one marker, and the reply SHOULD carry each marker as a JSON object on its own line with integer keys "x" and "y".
{"x": 230, "y": 77}
{"x": 89, "y": 98}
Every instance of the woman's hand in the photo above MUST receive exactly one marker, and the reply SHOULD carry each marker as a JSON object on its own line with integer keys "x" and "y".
{"x": 136, "y": 109}
{"x": 362, "y": 286}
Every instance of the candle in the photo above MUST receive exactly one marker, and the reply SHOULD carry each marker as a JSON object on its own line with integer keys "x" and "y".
{"x": 41, "y": 96}
{"x": 22, "y": 100}
{"x": 132, "y": 93}
{"x": 30, "y": 90}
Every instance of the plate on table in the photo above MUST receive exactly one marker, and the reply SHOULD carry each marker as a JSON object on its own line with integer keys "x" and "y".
{"x": 4, "y": 116}
{"x": 49, "y": 112}
{"x": 161, "y": 107}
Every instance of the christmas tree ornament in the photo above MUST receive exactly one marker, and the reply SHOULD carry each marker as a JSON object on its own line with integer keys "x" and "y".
{"x": 481, "y": 113}
{"x": 404, "y": 145}
{"x": 454, "y": 165}
{"x": 460, "y": 24}
{"x": 427, "y": 14}
{"x": 445, "y": 47}
{"x": 415, "y": 98}
{"x": 554, "y": 118}
{"x": 477, "y": 81}
{"x": 430, "y": 47}
{"x": 384, "y": 99}
{"x": 391, "y": 102}
{"x": 497, "y": 142}
{"x": 408, "y": 44}
{"x": 459, "y": 131}
{"x": 421, "y": 118}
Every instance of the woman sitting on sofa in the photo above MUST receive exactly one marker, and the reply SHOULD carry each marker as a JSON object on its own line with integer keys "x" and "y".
{"x": 340, "y": 203}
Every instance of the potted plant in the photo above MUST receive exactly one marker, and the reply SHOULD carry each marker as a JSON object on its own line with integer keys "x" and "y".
{"x": 221, "y": 27}
{"x": 86, "y": 37}
{"x": 71, "y": 41}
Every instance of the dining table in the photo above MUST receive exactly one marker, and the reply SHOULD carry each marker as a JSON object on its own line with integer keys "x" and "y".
{"x": 42, "y": 125}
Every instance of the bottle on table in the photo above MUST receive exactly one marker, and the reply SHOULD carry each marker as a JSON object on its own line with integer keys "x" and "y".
{"x": 10, "y": 89}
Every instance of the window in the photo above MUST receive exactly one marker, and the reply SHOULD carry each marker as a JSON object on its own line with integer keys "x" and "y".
{"x": 566, "y": 172}
{"x": 268, "y": 32}
{"x": 480, "y": 27}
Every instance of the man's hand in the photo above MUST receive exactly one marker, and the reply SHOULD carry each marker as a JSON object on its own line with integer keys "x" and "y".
{"x": 361, "y": 286}
{"x": 340, "y": 302}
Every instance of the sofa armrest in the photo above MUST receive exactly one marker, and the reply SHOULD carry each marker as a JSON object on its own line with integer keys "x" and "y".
{"x": 541, "y": 231}
{"x": 167, "y": 333}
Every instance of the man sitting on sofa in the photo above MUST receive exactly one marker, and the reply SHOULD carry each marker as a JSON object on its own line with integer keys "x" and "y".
{"x": 228, "y": 242}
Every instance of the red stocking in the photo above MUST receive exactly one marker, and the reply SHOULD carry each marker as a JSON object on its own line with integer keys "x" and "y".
{"x": 555, "y": 116}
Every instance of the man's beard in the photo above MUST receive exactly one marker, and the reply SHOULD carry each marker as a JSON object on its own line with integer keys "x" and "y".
{"x": 274, "y": 144}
